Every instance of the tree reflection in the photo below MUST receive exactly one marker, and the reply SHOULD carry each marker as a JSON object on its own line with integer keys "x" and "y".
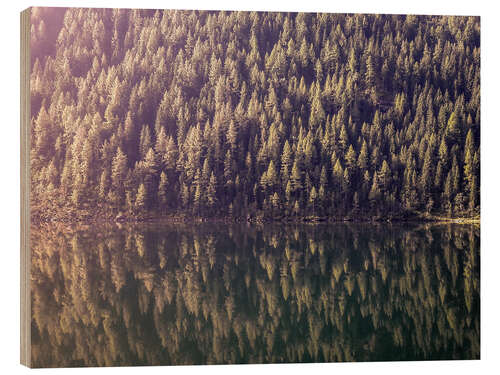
{"x": 202, "y": 294}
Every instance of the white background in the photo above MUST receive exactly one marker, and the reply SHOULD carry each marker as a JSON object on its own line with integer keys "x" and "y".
{"x": 490, "y": 145}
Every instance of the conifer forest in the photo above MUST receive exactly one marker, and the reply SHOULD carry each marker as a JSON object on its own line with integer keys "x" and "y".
{"x": 279, "y": 116}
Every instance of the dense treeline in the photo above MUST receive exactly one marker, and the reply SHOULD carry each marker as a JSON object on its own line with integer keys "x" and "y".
{"x": 196, "y": 294}
{"x": 261, "y": 114}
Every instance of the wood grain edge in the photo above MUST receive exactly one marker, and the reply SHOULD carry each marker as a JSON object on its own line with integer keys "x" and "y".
{"x": 25, "y": 342}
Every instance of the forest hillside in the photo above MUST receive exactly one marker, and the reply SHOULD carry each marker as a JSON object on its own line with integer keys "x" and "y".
{"x": 141, "y": 113}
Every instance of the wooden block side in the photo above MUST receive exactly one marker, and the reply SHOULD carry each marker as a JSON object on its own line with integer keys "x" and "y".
{"x": 25, "y": 341}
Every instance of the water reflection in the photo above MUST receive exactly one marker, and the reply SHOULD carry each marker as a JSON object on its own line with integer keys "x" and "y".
{"x": 203, "y": 294}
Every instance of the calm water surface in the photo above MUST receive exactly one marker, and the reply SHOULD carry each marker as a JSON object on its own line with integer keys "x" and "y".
{"x": 206, "y": 294}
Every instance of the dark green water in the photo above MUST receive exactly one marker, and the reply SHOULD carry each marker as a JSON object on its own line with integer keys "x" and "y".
{"x": 203, "y": 294}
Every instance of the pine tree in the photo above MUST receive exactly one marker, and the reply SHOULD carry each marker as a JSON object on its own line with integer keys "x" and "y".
{"x": 384, "y": 177}
{"x": 470, "y": 168}
{"x": 141, "y": 199}
{"x": 42, "y": 130}
{"x": 370, "y": 74}
{"x": 144, "y": 142}
{"x": 271, "y": 176}
{"x": 426, "y": 176}
{"x": 453, "y": 128}
{"x": 296, "y": 208}
{"x": 103, "y": 184}
{"x": 338, "y": 173}
{"x": 275, "y": 201}
{"x": 313, "y": 196}
{"x": 288, "y": 191}
{"x": 363, "y": 157}
{"x": 197, "y": 198}
{"x": 162, "y": 190}
{"x": 343, "y": 139}
{"x": 351, "y": 160}
{"x": 286, "y": 162}
{"x": 232, "y": 135}
{"x": 375, "y": 192}
{"x": 296, "y": 178}
{"x": 317, "y": 116}
{"x": 211, "y": 193}
{"x": 118, "y": 173}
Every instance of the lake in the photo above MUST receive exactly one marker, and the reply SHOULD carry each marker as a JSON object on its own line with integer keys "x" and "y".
{"x": 165, "y": 294}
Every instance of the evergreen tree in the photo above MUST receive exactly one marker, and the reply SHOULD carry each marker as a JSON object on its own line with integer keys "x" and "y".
{"x": 118, "y": 173}
{"x": 141, "y": 199}
{"x": 162, "y": 190}
{"x": 212, "y": 192}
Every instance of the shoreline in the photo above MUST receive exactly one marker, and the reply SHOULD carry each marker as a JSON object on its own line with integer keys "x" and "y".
{"x": 414, "y": 219}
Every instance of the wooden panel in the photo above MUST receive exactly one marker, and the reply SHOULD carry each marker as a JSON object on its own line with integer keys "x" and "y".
{"x": 25, "y": 185}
